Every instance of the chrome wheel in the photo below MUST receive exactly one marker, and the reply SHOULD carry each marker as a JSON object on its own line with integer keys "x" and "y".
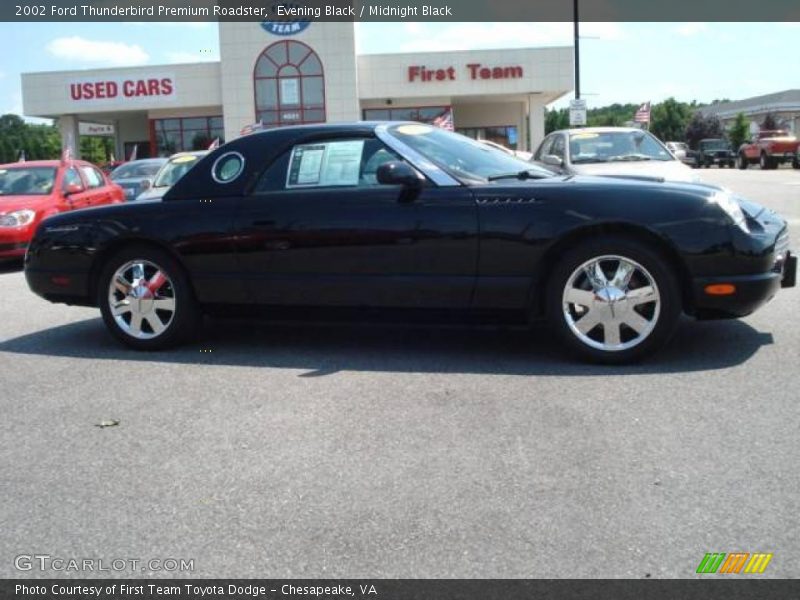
{"x": 141, "y": 299}
{"x": 611, "y": 303}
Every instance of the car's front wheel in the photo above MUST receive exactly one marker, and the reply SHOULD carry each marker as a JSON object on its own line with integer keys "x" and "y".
{"x": 613, "y": 300}
{"x": 146, "y": 299}
{"x": 742, "y": 162}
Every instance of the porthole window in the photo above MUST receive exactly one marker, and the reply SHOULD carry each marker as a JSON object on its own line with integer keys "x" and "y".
{"x": 227, "y": 167}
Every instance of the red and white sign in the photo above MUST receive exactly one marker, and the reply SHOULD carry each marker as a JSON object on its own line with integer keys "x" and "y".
{"x": 472, "y": 72}
{"x": 153, "y": 89}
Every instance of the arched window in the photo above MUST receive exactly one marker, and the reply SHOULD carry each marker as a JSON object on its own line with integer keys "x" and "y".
{"x": 289, "y": 85}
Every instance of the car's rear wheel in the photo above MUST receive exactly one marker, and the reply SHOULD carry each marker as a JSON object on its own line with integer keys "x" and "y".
{"x": 613, "y": 300}
{"x": 146, "y": 299}
{"x": 741, "y": 162}
{"x": 766, "y": 163}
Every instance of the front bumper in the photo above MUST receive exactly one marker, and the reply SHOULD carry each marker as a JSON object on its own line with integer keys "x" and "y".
{"x": 751, "y": 291}
{"x": 14, "y": 241}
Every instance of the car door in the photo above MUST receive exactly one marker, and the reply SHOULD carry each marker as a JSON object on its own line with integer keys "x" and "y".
{"x": 71, "y": 181}
{"x": 318, "y": 229}
{"x": 98, "y": 191}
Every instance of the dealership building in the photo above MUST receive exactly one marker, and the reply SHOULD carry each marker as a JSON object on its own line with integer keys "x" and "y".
{"x": 277, "y": 74}
{"x": 784, "y": 106}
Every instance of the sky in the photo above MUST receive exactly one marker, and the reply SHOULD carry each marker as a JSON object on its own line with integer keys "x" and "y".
{"x": 620, "y": 62}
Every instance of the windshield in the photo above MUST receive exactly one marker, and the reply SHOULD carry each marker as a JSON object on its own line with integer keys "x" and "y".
{"x": 176, "y": 168}
{"x": 27, "y": 181}
{"x": 715, "y": 145}
{"x": 136, "y": 170}
{"x": 612, "y": 146}
{"x": 461, "y": 156}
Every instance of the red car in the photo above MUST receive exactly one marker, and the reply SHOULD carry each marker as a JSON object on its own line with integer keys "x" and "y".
{"x": 32, "y": 191}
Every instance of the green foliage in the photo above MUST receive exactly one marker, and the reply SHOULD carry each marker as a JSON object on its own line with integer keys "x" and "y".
{"x": 669, "y": 120}
{"x": 41, "y": 142}
{"x": 38, "y": 141}
{"x": 555, "y": 119}
{"x": 739, "y": 132}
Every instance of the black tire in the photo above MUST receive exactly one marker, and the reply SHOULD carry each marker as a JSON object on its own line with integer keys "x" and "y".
{"x": 185, "y": 318}
{"x": 742, "y": 162}
{"x": 767, "y": 163}
{"x": 648, "y": 257}
{"x": 796, "y": 163}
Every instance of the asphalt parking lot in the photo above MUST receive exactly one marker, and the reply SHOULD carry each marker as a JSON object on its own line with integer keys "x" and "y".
{"x": 346, "y": 451}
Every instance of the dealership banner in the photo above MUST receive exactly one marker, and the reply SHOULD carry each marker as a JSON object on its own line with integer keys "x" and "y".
{"x": 296, "y": 12}
{"x": 398, "y": 589}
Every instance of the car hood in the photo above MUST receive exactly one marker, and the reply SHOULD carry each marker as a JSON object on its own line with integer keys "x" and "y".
{"x": 671, "y": 170}
{"x": 11, "y": 203}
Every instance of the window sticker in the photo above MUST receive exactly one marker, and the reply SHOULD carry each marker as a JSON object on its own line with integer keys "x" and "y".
{"x": 184, "y": 159}
{"x": 328, "y": 164}
{"x": 414, "y": 129}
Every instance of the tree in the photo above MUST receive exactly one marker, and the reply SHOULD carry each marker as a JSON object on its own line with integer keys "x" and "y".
{"x": 739, "y": 131}
{"x": 703, "y": 126}
{"x": 771, "y": 122}
{"x": 555, "y": 119}
{"x": 669, "y": 120}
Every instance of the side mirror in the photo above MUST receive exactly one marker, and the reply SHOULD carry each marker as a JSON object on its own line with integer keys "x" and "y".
{"x": 145, "y": 185}
{"x": 553, "y": 160}
{"x": 400, "y": 173}
{"x": 73, "y": 188}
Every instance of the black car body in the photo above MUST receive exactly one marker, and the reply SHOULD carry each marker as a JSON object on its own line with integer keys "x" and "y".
{"x": 714, "y": 151}
{"x": 405, "y": 216}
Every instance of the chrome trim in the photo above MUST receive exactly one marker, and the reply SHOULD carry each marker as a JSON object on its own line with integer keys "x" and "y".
{"x": 433, "y": 172}
{"x": 216, "y": 162}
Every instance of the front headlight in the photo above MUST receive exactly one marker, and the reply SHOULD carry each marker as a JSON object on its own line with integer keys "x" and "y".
{"x": 731, "y": 207}
{"x": 17, "y": 218}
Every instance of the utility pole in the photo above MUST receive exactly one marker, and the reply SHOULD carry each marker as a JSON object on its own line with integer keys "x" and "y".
{"x": 577, "y": 51}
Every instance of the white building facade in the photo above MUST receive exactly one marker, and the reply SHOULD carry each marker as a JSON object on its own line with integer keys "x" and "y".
{"x": 285, "y": 74}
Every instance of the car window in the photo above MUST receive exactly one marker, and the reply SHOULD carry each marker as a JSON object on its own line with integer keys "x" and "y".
{"x": 557, "y": 148}
{"x": 328, "y": 163}
{"x": 544, "y": 148}
{"x": 71, "y": 177}
{"x": 26, "y": 181}
{"x": 93, "y": 177}
{"x": 136, "y": 169}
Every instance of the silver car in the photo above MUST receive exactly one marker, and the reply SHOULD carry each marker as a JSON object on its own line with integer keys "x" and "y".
{"x": 170, "y": 172}
{"x": 136, "y": 176}
{"x": 611, "y": 151}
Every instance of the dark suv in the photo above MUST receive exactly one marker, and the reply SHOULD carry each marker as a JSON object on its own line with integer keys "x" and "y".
{"x": 714, "y": 152}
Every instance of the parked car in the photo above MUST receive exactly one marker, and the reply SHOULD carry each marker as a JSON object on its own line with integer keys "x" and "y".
{"x": 34, "y": 190}
{"x": 681, "y": 151}
{"x": 170, "y": 173}
{"x": 137, "y": 176}
{"x": 410, "y": 216}
{"x": 611, "y": 151}
{"x": 714, "y": 151}
{"x": 518, "y": 153}
{"x": 769, "y": 149}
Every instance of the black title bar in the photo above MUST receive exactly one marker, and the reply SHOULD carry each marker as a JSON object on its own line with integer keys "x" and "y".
{"x": 399, "y": 10}
{"x": 727, "y": 588}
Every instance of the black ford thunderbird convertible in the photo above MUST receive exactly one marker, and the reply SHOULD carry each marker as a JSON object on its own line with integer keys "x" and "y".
{"x": 408, "y": 216}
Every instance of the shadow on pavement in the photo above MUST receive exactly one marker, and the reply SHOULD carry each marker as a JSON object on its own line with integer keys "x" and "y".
{"x": 323, "y": 349}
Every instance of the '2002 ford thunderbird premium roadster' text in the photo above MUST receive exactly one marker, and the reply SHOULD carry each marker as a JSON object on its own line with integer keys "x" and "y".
{"x": 409, "y": 216}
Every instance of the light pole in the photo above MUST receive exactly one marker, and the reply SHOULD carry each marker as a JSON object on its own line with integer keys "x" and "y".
{"x": 577, "y": 50}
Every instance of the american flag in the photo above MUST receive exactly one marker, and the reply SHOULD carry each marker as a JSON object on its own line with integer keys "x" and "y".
{"x": 445, "y": 120}
{"x": 642, "y": 113}
{"x": 214, "y": 145}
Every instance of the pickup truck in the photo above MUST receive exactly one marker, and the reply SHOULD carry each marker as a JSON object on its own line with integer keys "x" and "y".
{"x": 769, "y": 149}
